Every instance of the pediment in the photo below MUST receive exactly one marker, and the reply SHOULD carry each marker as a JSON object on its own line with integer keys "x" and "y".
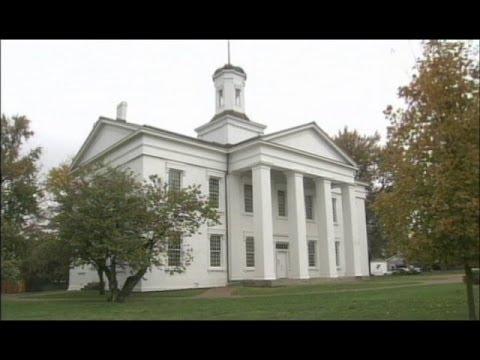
{"x": 311, "y": 139}
{"x": 102, "y": 136}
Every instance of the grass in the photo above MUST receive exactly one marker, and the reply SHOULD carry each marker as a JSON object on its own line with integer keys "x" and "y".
{"x": 386, "y": 298}
{"x": 94, "y": 295}
{"x": 325, "y": 287}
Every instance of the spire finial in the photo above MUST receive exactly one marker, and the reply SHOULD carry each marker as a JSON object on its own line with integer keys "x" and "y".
{"x": 228, "y": 41}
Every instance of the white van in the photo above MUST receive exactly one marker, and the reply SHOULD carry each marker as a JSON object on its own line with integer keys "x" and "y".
{"x": 379, "y": 268}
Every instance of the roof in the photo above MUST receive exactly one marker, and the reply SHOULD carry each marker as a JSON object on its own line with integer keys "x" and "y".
{"x": 230, "y": 67}
{"x": 232, "y": 113}
{"x": 212, "y": 145}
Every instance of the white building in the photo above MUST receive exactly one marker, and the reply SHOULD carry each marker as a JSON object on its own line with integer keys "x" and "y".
{"x": 289, "y": 204}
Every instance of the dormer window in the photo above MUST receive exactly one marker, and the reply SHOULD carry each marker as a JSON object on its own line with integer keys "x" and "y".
{"x": 220, "y": 98}
{"x": 237, "y": 97}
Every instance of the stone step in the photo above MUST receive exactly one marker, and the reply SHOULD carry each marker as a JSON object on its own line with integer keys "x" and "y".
{"x": 92, "y": 286}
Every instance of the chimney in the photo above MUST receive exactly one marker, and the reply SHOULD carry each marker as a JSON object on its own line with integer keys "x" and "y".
{"x": 122, "y": 111}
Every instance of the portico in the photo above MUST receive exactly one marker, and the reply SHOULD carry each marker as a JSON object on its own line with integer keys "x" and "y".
{"x": 334, "y": 244}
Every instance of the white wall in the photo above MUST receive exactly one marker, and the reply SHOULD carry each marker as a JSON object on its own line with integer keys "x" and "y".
{"x": 198, "y": 274}
{"x": 80, "y": 276}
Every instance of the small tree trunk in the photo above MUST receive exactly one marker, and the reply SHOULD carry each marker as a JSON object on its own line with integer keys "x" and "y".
{"x": 112, "y": 280}
{"x": 470, "y": 297}
{"x": 130, "y": 284}
{"x": 102, "y": 282}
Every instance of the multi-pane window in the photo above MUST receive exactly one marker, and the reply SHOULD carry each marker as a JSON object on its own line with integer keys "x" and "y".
{"x": 312, "y": 258}
{"x": 309, "y": 207}
{"x": 250, "y": 251}
{"x": 282, "y": 208}
{"x": 214, "y": 189}
{"x": 248, "y": 195}
{"x": 175, "y": 179}
{"x": 237, "y": 97}
{"x": 312, "y": 253}
{"x": 334, "y": 206}
{"x": 337, "y": 253}
{"x": 215, "y": 250}
{"x": 174, "y": 251}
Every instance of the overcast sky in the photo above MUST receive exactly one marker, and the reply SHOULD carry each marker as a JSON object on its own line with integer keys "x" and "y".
{"x": 63, "y": 86}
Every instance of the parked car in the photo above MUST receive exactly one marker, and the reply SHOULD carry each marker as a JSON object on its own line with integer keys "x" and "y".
{"x": 415, "y": 269}
{"x": 407, "y": 270}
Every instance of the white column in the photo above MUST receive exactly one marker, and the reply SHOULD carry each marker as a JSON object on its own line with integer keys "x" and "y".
{"x": 326, "y": 230}
{"x": 352, "y": 246}
{"x": 297, "y": 226}
{"x": 236, "y": 262}
{"x": 362, "y": 233}
{"x": 262, "y": 221}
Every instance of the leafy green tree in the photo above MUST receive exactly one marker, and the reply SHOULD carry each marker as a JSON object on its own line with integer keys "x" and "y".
{"x": 432, "y": 157}
{"x": 48, "y": 258}
{"x": 364, "y": 150}
{"x": 367, "y": 153}
{"x": 19, "y": 194}
{"x": 113, "y": 221}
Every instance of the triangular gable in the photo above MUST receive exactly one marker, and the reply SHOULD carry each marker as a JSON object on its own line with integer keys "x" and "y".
{"x": 104, "y": 134}
{"x": 312, "y": 139}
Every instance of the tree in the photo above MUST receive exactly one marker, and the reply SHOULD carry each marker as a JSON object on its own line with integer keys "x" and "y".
{"x": 113, "y": 221}
{"x": 364, "y": 150}
{"x": 19, "y": 194}
{"x": 59, "y": 179}
{"x": 48, "y": 258}
{"x": 367, "y": 153}
{"x": 432, "y": 156}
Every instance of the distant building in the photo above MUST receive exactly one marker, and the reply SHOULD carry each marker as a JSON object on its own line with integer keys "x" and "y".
{"x": 289, "y": 203}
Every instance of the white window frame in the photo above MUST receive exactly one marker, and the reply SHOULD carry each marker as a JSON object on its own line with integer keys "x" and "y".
{"x": 338, "y": 254}
{"x": 314, "y": 213}
{"x": 243, "y": 199}
{"x": 169, "y": 165}
{"x": 239, "y": 104}
{"x": 280, "y": 187}
{"x": 210, "y": 194}
{"x": 335, "y": 210}
{"x": 223, "y": 254}
{"x": 221, "y": 187}
{"x": 245, "y": 236}
{"x": 221, "y": 98}
{"x": 180, "y": 255}
{"x": 171, "y": 172}
{"x": 315, "y": 253}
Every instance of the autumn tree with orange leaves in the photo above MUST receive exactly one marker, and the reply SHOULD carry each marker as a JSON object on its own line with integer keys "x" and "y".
{"x": 432, "y": 158}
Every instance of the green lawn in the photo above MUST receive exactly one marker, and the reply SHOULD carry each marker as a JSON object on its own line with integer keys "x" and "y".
{"x": 395, "y": 298}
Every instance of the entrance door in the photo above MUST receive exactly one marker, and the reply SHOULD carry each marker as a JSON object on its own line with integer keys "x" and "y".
{"x": 281, "y": 264}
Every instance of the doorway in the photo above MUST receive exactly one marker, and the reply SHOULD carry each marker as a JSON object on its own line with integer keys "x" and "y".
{"x": 282, "y": 264}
